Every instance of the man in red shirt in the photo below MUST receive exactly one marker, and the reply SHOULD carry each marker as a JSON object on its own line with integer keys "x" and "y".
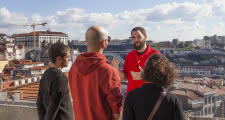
{"x": 135, "y": 60}
{"x": 94, "y": 83}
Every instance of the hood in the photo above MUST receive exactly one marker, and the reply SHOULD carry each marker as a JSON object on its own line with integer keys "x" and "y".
{"x": 87, "y": 62}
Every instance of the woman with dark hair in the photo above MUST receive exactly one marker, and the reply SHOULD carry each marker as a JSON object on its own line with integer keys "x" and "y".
{"x": 152, "y": 97}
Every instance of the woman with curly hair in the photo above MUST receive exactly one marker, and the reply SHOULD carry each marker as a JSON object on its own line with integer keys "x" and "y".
{"x": 152, "y": 97}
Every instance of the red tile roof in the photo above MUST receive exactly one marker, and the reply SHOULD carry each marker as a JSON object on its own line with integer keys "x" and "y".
{"x": 220, "y": 92}
{"x": 2, "y": 34}
{"x": 190, "y": 94}
{"x": 39, "y": 68}
{"x": 196, "y": 87}
{"x": 29, "y": 91}
{"x": 42, "y": 33}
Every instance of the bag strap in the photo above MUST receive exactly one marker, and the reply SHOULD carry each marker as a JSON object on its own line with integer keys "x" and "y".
{"x": 150, "y": 117}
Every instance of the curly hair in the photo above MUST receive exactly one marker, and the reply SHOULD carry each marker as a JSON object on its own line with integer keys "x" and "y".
{"x": 159, "y": 71}
{"x": 57, "y": 49}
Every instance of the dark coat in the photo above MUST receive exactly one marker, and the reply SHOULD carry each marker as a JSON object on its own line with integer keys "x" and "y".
{"x": 140, "y": 102}
{"x": 54, "y": 102}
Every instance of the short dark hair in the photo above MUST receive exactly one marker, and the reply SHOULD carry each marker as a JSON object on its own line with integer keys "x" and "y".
{"x": 159, "y": 71}
{"x": 141, "y": 29}
{"x": 57, "y": 49}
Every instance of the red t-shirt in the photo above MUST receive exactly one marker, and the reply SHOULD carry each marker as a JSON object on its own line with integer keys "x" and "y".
{"x": 131, "y": 64}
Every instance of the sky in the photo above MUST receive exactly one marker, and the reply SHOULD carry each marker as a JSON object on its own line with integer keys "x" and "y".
{"x": 163, "y": 19}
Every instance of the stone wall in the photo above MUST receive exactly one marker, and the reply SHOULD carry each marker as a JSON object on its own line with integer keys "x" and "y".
{"x": 15, "y": 112}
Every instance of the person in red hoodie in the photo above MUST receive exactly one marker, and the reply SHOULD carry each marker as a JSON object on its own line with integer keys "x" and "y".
{"x": 136, "y": 59}
{"x": 94, "y": 83}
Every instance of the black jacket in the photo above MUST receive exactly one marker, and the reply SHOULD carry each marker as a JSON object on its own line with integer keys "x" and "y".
{"x": 54, "y": 101}
{"x": 140, "y": 102}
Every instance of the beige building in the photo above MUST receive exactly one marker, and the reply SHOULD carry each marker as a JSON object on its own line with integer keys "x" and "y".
{"x": 2, "y": 64}
{"x": 201, "y": 97}
{"x": 27, "y": 39}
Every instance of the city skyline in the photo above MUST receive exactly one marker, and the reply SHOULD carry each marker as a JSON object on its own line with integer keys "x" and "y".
{"x": 163, "y": 19}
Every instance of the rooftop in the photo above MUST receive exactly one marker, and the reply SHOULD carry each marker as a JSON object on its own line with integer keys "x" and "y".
{"x": 196, "y": 87}
{"x": 220, "y": 92}
{"x": 190, "y": 94}
{"x": 42, "y": 33}
{"x": 39, "y": 68}
{"x": 25, "y": 62}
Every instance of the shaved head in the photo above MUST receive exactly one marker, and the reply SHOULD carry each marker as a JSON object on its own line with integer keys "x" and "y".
{"x": 95, "y": 34}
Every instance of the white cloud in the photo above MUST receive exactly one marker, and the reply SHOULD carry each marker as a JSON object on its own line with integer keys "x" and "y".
{"x": 9, "y": 21}
{"x": 174, "y": 21}
{"x": 6, "y": 17}
{"x": 36, "y": 18}
{"x": 4, "y": 13}
{"x": 158, "y": 27}
{"x": 185, "y": 20}
{"x": 70, "y": 15}
{"x": 220, "y": 24}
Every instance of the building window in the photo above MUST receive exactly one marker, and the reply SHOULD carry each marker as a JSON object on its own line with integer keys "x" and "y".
{"x": 209, "y": 100}
{"x": 205, "y": 111}
{"x": 213, "y": 109}
{"x": 213, "y": 99}
{"x": 209, "y": 110}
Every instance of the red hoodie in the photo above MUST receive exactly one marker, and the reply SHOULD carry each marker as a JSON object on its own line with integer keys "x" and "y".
{"x": 95, "y": 88}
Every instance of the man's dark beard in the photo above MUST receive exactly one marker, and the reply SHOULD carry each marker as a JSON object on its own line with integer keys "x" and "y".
{"x": 140, "y": 46}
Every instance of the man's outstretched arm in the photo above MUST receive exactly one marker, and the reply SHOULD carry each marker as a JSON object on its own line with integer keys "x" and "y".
{"x": 115, "y": 64}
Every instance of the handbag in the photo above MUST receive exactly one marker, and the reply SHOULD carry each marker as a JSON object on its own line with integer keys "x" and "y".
{"x": 150, "y": 117}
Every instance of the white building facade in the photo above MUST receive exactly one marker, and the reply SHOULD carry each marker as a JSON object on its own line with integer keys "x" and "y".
{"x": 27, "y": 39}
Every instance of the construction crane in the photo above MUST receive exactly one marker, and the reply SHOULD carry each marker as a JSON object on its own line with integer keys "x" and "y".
{"x": 33, "y": 26}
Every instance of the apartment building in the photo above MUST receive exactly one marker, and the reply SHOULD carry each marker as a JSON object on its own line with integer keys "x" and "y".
{"x": 201, "y": 97}
{"x": 30, "y": 41}
{"x": 195, "y": 70}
